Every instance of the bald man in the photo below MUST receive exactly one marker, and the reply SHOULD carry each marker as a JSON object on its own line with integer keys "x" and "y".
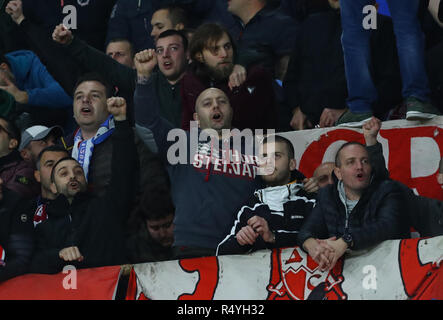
{"x": 207, "y": 191}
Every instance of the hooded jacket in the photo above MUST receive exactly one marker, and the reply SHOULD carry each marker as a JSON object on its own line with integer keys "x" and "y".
{"x": 206, "y": 192}
{"x": 283, "y": 207}
{"x": 31, "y": 76}
{"x": 95, "y": 224}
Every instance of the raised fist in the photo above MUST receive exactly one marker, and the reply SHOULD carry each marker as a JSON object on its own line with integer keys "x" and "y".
{"x": 15, "y": 10}
{"x": 62, "y": 35}
{"x": 370, "y": 131}
{"x": 145, "y": 61}
{"x": 117, "y": 107}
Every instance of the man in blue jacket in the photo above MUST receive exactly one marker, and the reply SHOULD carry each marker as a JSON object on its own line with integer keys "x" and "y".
{"x": 24, "y": 76}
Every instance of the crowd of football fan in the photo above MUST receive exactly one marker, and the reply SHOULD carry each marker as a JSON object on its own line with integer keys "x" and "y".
{"x": 91, "y": 89}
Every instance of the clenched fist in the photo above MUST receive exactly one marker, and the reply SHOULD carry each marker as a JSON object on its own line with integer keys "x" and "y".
{"x": 117, "y": 107}
{"x": 62, "y": 35}
{"x": 145, "y": 61}
{"x": 15, "y": 10}
{"x": 71, "y": 254}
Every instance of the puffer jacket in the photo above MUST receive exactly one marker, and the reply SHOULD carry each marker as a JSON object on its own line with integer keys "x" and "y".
{"x": 376, "y": 217}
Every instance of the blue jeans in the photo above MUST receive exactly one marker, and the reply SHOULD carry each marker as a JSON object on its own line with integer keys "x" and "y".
{"x": 357, "y": 55}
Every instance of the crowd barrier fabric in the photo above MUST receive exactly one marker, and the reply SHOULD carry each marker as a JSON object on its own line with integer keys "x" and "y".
{"x": 82, "y": 284}
{"x": 393, "y": 270}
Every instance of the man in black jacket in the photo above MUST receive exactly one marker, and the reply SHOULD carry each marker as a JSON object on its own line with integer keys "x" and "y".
{"x": 315, "y": 83}
{"x": 85, "y": 230}
{"x": 16, "y": 235}
{"x": 360, "y": 210}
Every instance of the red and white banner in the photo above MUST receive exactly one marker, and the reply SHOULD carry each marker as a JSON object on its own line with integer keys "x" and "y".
{"x": 412, "y": 151}
{"x": 82, "y": 284}
{"x": 393, "y": 270}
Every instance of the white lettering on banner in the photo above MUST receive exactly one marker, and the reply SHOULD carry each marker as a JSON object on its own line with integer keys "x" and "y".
{"x": 70, "y": 21}
{"x": 370, "y": 21}
{"x": 370, "y": 280}
{"x": 70, "y": 281}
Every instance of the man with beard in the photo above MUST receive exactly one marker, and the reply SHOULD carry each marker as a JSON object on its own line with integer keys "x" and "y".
{"x": 273, "y": 216}
{"x": 82, "y": 229}
{"x": 250, "y": 92}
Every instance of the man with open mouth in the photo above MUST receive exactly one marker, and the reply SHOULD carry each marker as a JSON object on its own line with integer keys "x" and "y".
{"x": 249, "y": 90}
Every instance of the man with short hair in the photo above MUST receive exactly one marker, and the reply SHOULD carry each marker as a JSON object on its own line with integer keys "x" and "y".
{"x": 323, "y": 174}
{"x": 171, "y": 68}
{"x": 167, "y": 18}
{"x": 45, "y": 161}
{"x": 273, "y": 216}
{"x": 16, "y": 173}
{"x": 34, "y": 139}
{"x": 122, "y": 51}
{"x": 82, "y": 229}
{"x": 360, "y": 210}
{"x": 250, "y": 92}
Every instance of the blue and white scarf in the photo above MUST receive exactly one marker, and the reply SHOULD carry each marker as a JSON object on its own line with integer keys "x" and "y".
{"x": 82, "y": 150}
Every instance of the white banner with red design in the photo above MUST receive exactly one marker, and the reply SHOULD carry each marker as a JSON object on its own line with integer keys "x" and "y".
{"x": 393, "y": 270}
{"x": 412, "y": 151}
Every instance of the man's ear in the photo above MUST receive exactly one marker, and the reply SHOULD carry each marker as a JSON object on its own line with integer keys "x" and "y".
{"x": 337, "y": 173}
{"x": 37, "y": 176}
{"x": 4, "y": 66}
{"x": 195, "y": 117}
{"x": 13, "y": 143}
{"x": 199, "y": 57}
{"x": 53, "y": 188}
{"x": 292, "y": 164}
{"x": 179, "y": 26}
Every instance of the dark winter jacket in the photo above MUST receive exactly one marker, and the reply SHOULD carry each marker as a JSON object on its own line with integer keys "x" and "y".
{"x": 94, "y": 224}
{"x": 91, "y": 16}
{"x": 379, "y": 214}
{"x": 18, "y": 175}
{"x": 267, "y": 37}
{"x": 316, "y": 77}
{"x": 283, "y": 207}
{"x": 206, "y": 193}
{"x": 16, "y": 235}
